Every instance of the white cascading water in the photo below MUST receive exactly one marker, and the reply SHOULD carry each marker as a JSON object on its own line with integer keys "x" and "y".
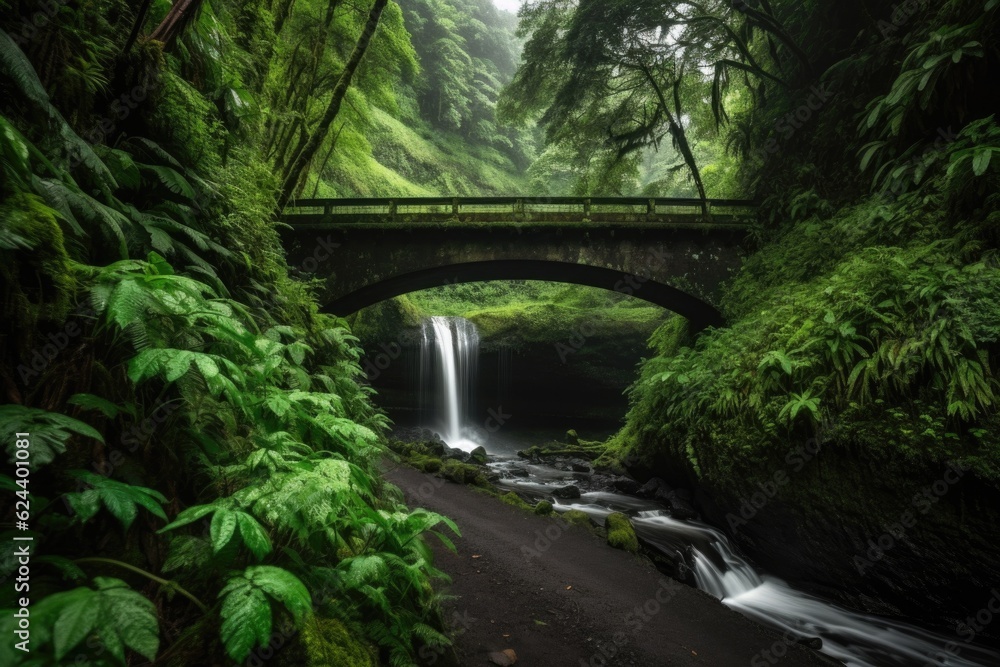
{"x": 449, "y": 362}
{"x": 858, "y": 639}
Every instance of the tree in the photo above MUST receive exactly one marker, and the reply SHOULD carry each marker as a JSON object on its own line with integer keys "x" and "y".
{"x": 309, "y": 144}
{"x": 621, "y": 71}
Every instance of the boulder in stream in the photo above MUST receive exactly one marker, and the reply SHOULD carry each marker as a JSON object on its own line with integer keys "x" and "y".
{"x": 543, "y": 508}
{"x": 655, "y": 488}
{"x": 570, "y": 492}
{"x": 621, "y": 534}
{"x": 626, "y": 485}
{"x": 680, "y": 507}
{"x": 477, "y": 456}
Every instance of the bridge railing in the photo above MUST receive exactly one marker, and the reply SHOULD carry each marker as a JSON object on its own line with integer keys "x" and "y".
{"x": 515, "y": 209}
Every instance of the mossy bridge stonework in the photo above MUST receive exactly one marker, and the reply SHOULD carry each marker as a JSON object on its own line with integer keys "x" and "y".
{"x": 674, "y": 253}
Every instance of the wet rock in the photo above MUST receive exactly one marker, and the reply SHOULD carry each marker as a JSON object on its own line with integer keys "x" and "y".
{"x": 455, "y": 454}
{"x": 683, "y": 494}
{"x": 679, "y": 507}
{"x": 518, "y": 472}
{"x": 812, "y": 642}
{"x": 435, "y": 447}
{"x": 533, "y": 454}
{"x": 579, "y": 466}
{"x": 477, "y": 456}
{"x": 652, "y": 488}
{"x": 673, "y": 564}
{"x": 621, "y": 534}
{"x": 570, "y": 492}
{"x": 626, "y": 485}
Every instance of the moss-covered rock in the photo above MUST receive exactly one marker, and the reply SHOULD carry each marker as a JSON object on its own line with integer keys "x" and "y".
{"x": 326, "y": 642}
{"x": 515, "y": 500}
{"x": 577, "y": 518}
{"x": 463, "y": 473}
{"x": 478, "y": 456}
{"x": 621, "y": 534}
{"x": 543, "y": 508}
{"x": 425, "y": 463}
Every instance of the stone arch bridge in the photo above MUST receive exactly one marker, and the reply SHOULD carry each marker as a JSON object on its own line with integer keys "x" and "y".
{"x": 675, "y": 253}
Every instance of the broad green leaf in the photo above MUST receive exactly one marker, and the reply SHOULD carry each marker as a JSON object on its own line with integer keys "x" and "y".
{"x": 254, "y": 535}
{"x": 189, "y": 515}
{"x": 246, "y": 617}
{"x": 223, "y": 527}
{"x": 981, "y": 161}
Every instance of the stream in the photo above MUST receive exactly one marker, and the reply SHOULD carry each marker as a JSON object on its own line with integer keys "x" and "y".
{"x": 448, "y": 368}
{"x": 853, "y": 637}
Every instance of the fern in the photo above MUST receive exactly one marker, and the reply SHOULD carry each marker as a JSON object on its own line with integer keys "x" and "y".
{"x": 49, "y": 432}
{"x": 15, "y": 65}
{"x": 120, "y": 499}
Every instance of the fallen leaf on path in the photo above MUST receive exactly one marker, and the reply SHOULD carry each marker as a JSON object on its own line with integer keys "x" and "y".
{"x": 569, "y": 588}
{"x": 504, "y": 658}
{"x": 477, "y": 555}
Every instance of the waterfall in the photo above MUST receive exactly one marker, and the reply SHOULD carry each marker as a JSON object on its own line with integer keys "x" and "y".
{"x": 449, "y": 361}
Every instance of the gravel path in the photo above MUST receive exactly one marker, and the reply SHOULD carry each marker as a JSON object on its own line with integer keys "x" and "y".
{"x": 557, "y": 595}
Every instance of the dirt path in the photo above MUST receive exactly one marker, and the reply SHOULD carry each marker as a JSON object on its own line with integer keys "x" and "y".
{"x": 558, "y": 595}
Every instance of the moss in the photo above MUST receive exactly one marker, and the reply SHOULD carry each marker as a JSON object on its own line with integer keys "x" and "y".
{"x": 327, "y": 642}
{"x": 577, "y": 518}
{"x": 585, "y": 449}
{"x": 463, "y": 473}
{"x": 425, "y": 463}
{"x": 386, "y": 320}
{"x": 621, "y": 534}
{"x": 543, "y": 508}
{"x": 478, "y": 456}
{"x": 39, "y": 283}
{"x": 515, "y": 500}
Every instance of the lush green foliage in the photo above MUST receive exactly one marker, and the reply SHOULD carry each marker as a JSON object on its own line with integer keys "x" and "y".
{"x": 870, "y": 313}
{"x": 165, "y": 363}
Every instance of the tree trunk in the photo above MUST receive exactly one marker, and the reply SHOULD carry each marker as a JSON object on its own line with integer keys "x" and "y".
{"x": 680, "y": 139}
{"x": 140, "y": 20}
{"x": 307, "y": 148}
{"x": 179, "y": 16}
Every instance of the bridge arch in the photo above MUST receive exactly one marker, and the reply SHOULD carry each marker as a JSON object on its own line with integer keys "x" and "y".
{"x": 699, "y": 313}
{"x": 364, "y": 251}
